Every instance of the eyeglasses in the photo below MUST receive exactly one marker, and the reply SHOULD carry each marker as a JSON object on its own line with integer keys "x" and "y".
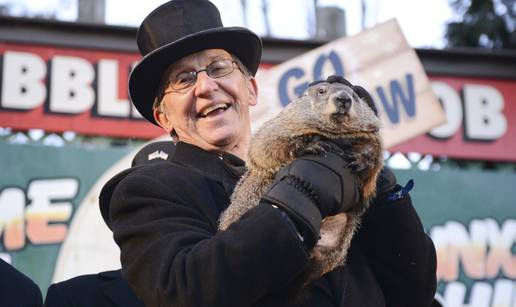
{"x": 186, "y": 79}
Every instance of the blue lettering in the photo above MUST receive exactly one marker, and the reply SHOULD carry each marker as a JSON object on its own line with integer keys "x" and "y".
{"x": 397, "y": 94}
{"x": 283, "y": 85}
{"x": 335, "y": 61}
{"x": 298, "y": 73}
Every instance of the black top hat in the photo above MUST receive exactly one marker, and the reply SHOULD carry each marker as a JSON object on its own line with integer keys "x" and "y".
{"x": 179, "y": 28}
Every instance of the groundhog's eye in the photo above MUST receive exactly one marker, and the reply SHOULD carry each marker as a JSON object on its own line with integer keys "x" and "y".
{"x": 321, "y": 91}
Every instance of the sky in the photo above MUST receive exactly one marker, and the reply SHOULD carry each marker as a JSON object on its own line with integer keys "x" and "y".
{"x": 422, "y": 21}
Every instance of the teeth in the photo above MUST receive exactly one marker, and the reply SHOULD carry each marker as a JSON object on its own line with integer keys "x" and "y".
{"x": 213, "y": 108}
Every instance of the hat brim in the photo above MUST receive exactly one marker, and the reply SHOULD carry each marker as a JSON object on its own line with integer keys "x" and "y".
{"x": 146, "y": 75}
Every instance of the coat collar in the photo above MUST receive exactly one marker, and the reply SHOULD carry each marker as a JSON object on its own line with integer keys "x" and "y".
{"x": 224, "y": 165}
{"x": 225, "y": 168}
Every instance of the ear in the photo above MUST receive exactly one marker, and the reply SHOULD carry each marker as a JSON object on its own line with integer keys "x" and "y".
{"x": 364, "y": 94}
{"x": 163, "y": 121}
{"x": 252, "y": 87}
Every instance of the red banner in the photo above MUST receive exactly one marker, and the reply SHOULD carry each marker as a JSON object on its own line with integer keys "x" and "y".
{"x": 62, "y": 89}
{"x": 481, "y": 116}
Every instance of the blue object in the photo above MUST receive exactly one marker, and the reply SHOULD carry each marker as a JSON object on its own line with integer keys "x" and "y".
{"x": 400, "y": 192}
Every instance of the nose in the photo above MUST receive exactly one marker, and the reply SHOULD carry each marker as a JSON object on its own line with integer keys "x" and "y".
{"x": 204, "y": 84}
{"x": 343, "y": 100}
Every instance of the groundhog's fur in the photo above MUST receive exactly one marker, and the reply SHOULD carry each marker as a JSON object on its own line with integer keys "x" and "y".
{"x": 326, "y": 111}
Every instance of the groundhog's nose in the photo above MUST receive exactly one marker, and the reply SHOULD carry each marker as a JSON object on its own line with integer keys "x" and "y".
{"x": 343, "y": 101}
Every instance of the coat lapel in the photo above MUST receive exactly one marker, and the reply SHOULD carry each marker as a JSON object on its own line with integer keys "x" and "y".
{"x": 224, "y": 168}
{"x": 118, "y": 291}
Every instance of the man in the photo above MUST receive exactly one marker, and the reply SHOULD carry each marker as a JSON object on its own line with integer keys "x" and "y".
{"x": 16, "y": 289}
{"x": 196, "y": 82}
{"x": 103, "y": 289}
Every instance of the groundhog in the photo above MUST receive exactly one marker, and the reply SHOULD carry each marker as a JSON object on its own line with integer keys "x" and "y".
{"x": 331, "y": 110}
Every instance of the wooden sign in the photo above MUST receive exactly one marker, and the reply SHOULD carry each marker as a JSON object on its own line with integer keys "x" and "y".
{"x": 380, "y": 60}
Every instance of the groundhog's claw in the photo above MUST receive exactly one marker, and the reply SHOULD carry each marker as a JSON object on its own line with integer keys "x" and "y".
{"x": 353, "y": 161}
{"x": 315, "y": 149}
{"x": 356, "y": 166}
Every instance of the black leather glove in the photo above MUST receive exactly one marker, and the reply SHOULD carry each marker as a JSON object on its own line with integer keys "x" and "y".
{"x": 311, "y": 188}
{"x": 386, "y": 181}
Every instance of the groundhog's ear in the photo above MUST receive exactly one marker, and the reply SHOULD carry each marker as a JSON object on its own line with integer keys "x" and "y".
{"x": 363, "y": 94}
{"x": 338, "y": 79}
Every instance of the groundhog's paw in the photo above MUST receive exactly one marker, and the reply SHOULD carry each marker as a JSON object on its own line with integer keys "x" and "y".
{"x": 357, "y": 166}
{"x": 332, "y": 228}
{"x": 320, "y": 254}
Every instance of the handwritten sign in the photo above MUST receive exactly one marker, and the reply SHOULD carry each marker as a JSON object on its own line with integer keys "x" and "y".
{"x": 380, "y": 60}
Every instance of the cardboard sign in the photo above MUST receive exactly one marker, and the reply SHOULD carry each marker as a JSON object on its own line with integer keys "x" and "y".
{"x": 380, "y": 60}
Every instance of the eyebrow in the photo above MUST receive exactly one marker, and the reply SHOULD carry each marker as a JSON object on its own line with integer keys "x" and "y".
{"x": 210, "y": 60}
{"x": 175, "y": 69}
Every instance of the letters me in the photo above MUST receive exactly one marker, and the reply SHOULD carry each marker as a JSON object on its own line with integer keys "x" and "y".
{"x": 41, "y": 214}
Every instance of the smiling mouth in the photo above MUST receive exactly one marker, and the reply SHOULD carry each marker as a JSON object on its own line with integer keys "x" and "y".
{"x": 214, "y": 109}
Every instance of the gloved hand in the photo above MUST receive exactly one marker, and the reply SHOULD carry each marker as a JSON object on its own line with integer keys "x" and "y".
{"x": 386, "y": 181}
{"x": 311, "y": 188}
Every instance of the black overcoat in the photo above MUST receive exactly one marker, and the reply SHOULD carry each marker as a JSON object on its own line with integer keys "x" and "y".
{"x": 105, "y": 289}
{"x": 164, "y": 218}
{"x": 16, "y": 289}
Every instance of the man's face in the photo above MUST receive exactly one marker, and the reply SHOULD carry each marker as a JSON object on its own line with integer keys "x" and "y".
{"x": 213, "y": 114}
